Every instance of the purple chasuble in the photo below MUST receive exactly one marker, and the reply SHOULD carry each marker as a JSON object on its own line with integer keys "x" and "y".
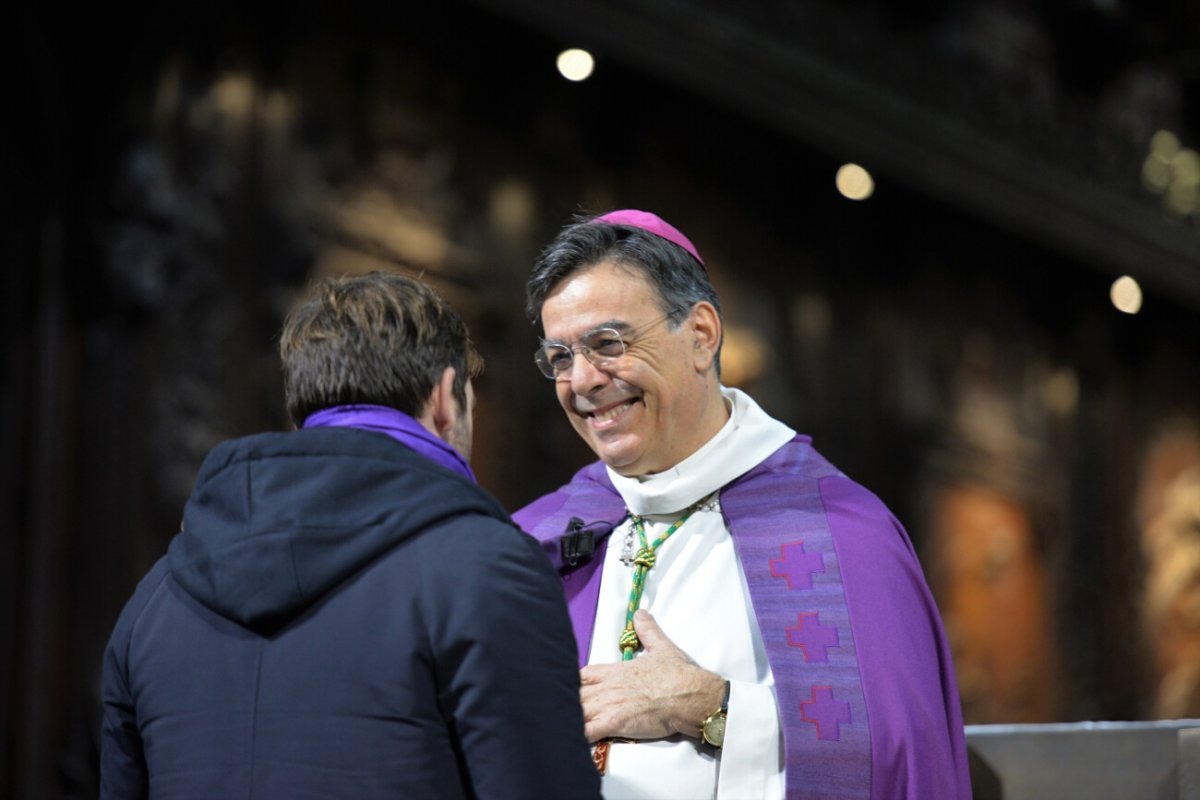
{"x": 865, "y": 687}
{"x": 396, "y": 424}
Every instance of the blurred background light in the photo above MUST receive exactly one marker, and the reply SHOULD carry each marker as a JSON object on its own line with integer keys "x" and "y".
{"x": 744, "y": 355}
{"x": 1060, "y": 391}
{"x": 1174, "y": 172}
{"x": 854, "y": 182}
{"x": 576, "y": 64}
{"x": 1126, "y": 295}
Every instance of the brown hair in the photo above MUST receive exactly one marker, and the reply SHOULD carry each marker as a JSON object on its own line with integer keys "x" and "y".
{"x": 379, "y": 338}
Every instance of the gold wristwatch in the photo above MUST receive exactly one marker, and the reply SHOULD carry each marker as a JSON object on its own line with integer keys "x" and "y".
{"x": 713, "y": 729}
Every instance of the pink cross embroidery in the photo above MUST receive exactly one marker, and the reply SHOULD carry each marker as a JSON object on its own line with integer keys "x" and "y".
{"x": 813, "y": 638}
{"x": 796, "y": 565}
{"x": 823, "y": 710}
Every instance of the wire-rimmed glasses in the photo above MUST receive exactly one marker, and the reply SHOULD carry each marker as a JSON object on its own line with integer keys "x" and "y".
{"x": 600, "y": 346}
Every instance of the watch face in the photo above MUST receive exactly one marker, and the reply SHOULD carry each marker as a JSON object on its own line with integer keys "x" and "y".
{"x": 714, "y": 730}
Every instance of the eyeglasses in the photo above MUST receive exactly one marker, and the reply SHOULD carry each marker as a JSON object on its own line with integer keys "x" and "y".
{"x": 601, "y": 347}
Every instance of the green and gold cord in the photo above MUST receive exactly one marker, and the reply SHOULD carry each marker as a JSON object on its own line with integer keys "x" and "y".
{"x": 643, "y": 561}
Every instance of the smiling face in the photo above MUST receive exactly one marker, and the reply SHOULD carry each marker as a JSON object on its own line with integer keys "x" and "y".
{"x": 660, "y": 402}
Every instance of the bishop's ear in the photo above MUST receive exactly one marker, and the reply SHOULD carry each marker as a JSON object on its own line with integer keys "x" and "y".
{"x": 705, "y": 329}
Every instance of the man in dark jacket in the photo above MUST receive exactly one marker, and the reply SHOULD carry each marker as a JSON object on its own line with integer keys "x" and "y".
{"x": 345, "y": 613}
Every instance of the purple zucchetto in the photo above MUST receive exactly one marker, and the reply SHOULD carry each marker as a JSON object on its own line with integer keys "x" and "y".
{"x": 652, "y": 223}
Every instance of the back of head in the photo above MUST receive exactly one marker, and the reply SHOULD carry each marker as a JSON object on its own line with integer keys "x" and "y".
{"x": 379, "y": 338}
{"x": 634, "y": 239}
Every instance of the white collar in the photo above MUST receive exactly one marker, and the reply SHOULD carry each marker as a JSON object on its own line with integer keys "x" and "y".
{"x": 748, "y": 437}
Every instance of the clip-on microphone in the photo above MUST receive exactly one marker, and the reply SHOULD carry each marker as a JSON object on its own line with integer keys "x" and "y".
{"x": 579, "y": 543}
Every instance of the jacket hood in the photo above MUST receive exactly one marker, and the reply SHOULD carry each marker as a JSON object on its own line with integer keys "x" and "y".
{"x": 278, "y": 520}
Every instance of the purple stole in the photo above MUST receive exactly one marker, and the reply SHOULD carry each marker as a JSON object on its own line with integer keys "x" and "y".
{"x": 865, "y": 688}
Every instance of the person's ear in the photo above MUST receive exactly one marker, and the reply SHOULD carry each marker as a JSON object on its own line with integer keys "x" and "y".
{"x": 443, "y": 409}
{"x": 704, "y": 326}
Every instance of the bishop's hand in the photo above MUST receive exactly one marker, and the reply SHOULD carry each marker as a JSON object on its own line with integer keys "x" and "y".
{"x": 659, "y": 693}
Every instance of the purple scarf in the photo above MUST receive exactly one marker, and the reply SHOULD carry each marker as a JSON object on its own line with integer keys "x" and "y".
{"x": 396, "y": 424}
